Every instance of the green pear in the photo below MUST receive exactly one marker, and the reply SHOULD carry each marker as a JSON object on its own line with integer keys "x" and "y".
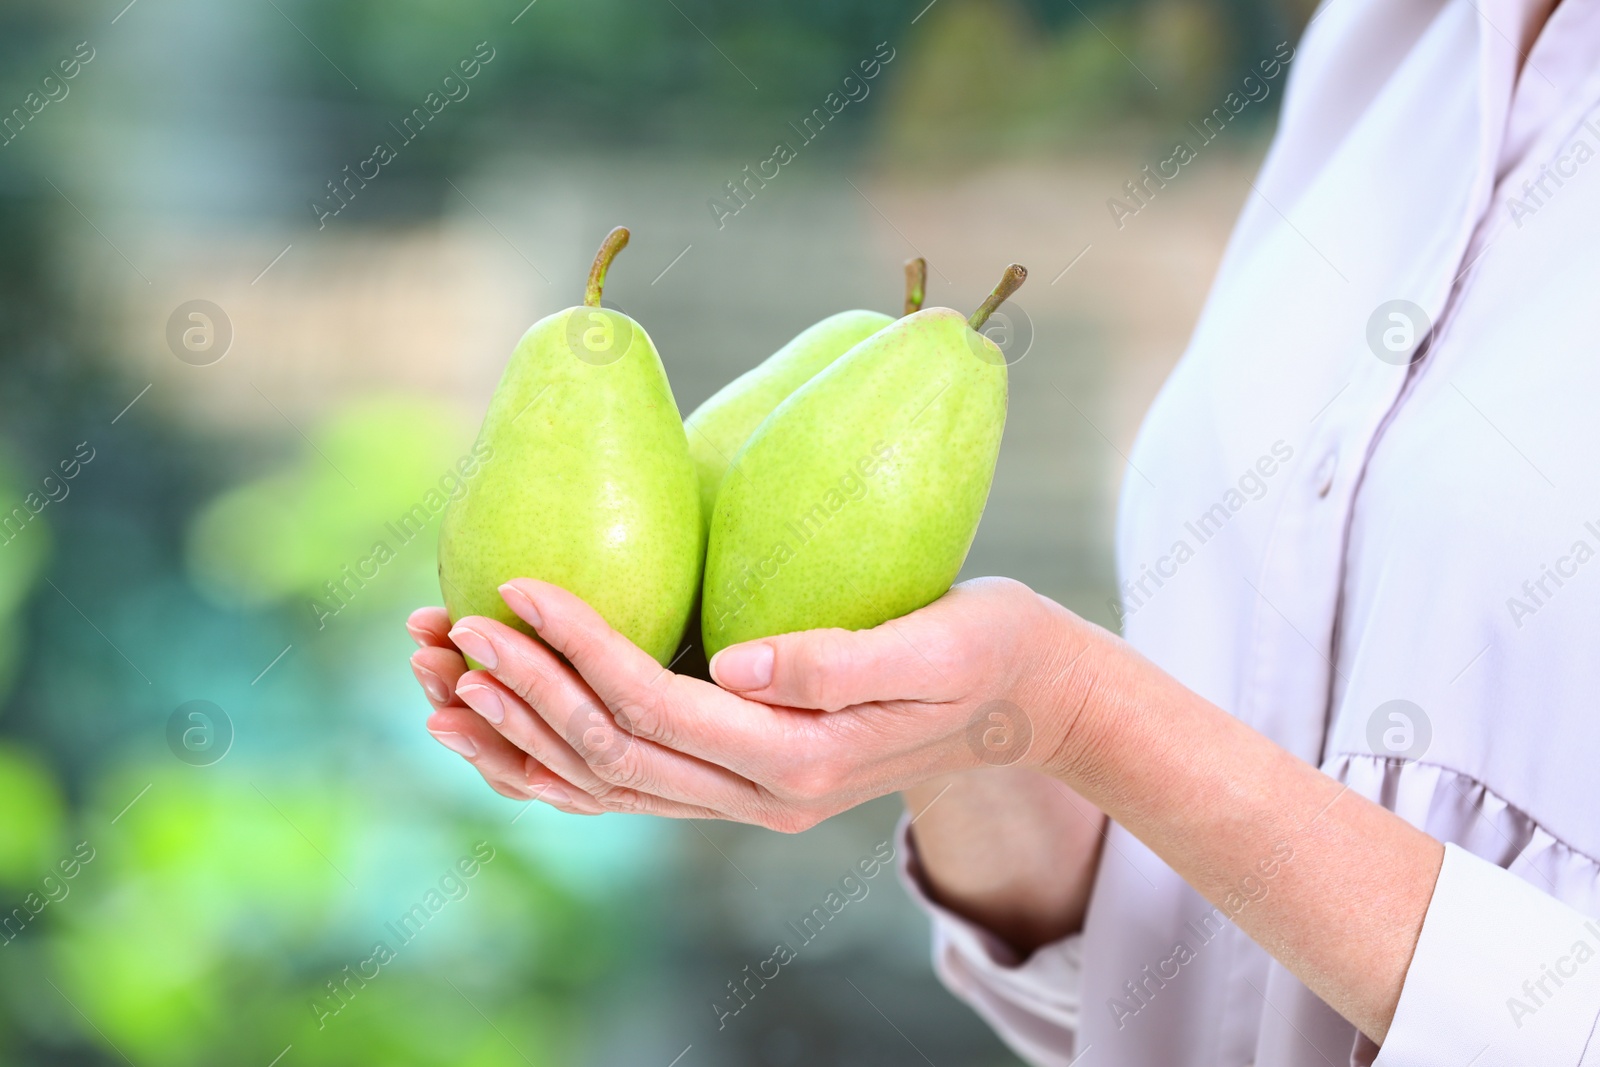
{"x": 856, "y": 500}
{"x": 719, "y": 428}
{"x": 588, "y": 483}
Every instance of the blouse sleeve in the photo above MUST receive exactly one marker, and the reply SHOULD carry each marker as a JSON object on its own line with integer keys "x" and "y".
{"x": 1032, "y": 1003}
{"x": 1503, "y": 973}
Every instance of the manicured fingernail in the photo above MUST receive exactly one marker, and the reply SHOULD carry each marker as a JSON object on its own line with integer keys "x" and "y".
{"x": 551, "y": 794}
{"x": 457, "y": 743}
{"x": 485, "y": 701}
{"x": 743, "y": 666}
{"x": 432, "y": 684}
{"x": 519, "y": 602}
{"x": 475, "y": 645}
{"x": 417, "y": 635}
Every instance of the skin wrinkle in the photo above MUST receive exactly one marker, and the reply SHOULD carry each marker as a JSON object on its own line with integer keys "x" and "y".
{"x": 1084, "y": 688}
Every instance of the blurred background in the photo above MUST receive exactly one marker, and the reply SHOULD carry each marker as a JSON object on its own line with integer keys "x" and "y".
{"x": 238, "y": 342}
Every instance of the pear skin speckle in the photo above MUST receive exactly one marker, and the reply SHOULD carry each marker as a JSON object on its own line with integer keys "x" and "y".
{"x": 857, "y": 499}
{"x": 719, "y": 428}
{"x": 588, "y": 484}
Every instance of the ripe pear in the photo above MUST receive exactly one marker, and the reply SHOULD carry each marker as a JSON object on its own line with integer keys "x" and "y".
{"x": 719, "y": 428}
{"x": 590, "y": 485}
{"x": 856, "y": 500}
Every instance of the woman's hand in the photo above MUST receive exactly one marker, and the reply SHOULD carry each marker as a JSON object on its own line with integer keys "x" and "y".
{"x": 438, "y": 666}
{"x": 803, "y": 726}
{"x": 806, "y": 725}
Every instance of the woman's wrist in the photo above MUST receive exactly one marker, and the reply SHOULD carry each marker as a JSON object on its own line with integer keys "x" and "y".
{"x": 1059, "y": 683}
{"x": 1008, "y": 849}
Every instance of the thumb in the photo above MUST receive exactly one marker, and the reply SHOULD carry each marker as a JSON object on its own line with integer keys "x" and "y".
{"x": 903, "y": 659}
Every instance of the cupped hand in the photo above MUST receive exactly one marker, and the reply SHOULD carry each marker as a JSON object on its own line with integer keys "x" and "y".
{"x": 438, "y": 666}
{"x": 800, "y": 727}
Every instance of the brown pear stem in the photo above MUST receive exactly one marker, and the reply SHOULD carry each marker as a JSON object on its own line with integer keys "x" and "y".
{"x": 916, "y": 284}
{"x": 615, "y": 242}
{"x": 1010, "y": 282}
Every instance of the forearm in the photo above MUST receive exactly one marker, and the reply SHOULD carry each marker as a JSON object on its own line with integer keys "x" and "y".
{"x": 1331, "y": 884}
{"x": 1008, "y": 848}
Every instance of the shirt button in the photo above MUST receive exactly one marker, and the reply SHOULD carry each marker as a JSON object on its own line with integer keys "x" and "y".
{"x": 1325, "y": 469}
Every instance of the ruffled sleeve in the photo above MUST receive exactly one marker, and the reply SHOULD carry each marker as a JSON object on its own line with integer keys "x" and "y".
{"x": 1503, "y": 973}
{"x": 1033, "y": 1004}
{"x": 1507, "y": 967}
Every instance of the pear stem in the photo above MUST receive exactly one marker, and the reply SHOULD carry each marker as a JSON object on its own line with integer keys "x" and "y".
{"x": 916, "y": 284}
{"x": 1010, "y": 282}
{"x": 615, "y": 242}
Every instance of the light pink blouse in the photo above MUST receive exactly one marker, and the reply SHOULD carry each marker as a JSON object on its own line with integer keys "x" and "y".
{"x": 1363, "y": 515}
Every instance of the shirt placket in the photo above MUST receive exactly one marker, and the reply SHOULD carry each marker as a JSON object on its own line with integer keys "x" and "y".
{"x": 1293, "y": 675}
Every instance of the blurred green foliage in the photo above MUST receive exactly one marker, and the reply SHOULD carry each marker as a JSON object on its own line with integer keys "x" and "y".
{"x": 22, "y": 558}
{"x": 34, "y": 812}
{"x": 220, "y": 900}
{"x": 984, "y": 79}
{"x": 649, "y": 74}
{"x": 290, "y": 534}
{"x": 213, "y": 924}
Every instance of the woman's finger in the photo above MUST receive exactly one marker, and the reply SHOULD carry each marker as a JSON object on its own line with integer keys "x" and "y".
{"x": 527, "y": 667}
{"x": 514, "y": 720}
{"x": 437, "y": 671}
{"x": 930, "y": 654}
{"x": 563, "y": 726}
{"x": 829, "y": 669}
{"x": 430, "y": 626}
{"x": 680, "y": 713}
{"x": 508, "y": 770}
{"x": 502, "y": 765}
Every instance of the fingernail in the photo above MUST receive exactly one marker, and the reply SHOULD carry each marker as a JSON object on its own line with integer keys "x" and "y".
{"x": 432, "y": 684}
{"x": 519, "y": 602}
{"x": 475, "y": 645}
{"x": 551, "y": 794}
{"x": 419, "y": 636}
{"x": 743, "y": 666}
{"x": 485, "y": 701}
{"x": 457, "y": 743}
